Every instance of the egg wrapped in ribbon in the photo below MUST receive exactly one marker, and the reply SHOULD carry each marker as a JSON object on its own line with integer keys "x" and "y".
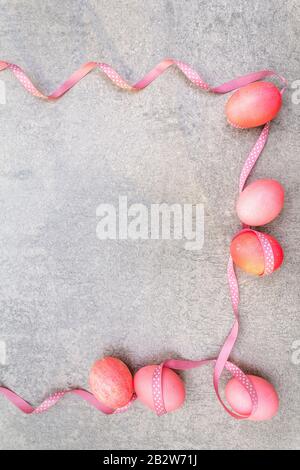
{"x": 147, "y": 391}
{"x": 240, "y": 401}
{"x": 260, "y": 202}
{"x": 253, "y": 252}
{"x": 111, "y": 382}
{"x": 253, "y": 105}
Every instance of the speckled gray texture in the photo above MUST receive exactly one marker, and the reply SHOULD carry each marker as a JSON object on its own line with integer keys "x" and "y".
{"x": 67, "y": 297}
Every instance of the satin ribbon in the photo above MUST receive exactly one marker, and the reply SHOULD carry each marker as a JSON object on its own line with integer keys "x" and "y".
{"x": 55, "y": 397}
{"x": 221, "y": 362}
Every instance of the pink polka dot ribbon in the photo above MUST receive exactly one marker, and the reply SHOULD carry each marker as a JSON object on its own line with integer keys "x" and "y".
{"x": 51, "y": 400}
{"x": 254, "y": 155}
{"x": 220, "y": 363}
{"x": 158, "y": 70}
{"x": 157, "y": 391}
{"x": 267, "y": 251}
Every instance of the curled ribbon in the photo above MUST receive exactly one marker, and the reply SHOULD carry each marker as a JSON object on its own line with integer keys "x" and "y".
{"x": 221, "y": 362}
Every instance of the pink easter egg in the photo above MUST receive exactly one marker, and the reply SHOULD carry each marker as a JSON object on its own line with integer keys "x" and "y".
{"x": 260, "y": 202}
{"x": 240, "y": 401}
{"x": 111, "y": 382}
{"x": 172, "y": 387}
{"x": 247, "y": 253}
{"x": 253, "y": 105}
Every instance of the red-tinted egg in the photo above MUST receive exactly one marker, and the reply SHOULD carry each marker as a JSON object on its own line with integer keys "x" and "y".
{"x": 240, "y": 401}
{"x": 111, "y": 382}
{"x": 172, "y": 387}
{"x": 253, "y": 105}
{"x": 260, "y": 202}
{"x": 247, "y": 253}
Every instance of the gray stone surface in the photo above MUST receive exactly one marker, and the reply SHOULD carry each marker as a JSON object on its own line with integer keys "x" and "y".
{"x": 67, "y": 297}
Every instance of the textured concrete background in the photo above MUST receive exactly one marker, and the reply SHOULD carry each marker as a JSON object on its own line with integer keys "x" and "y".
{"x": 67, "y": 297}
